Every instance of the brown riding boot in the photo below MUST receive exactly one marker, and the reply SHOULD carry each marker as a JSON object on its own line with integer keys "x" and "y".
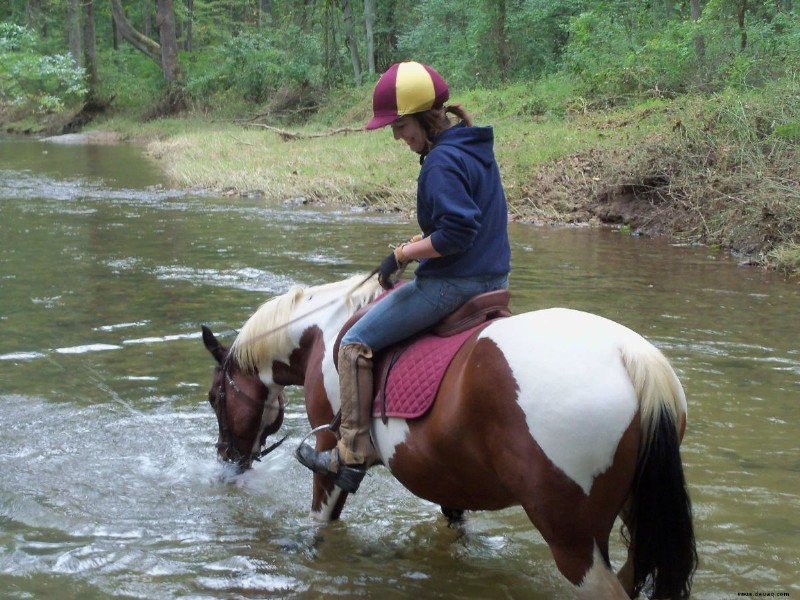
{"x": 347, "y": 463}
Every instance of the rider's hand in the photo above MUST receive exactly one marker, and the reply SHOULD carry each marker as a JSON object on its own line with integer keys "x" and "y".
{"x": 389, "y": 266}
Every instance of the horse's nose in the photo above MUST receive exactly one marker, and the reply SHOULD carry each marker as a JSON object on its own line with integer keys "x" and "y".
{"x": 222, "y": 452}
{"x": 231, "y": 456}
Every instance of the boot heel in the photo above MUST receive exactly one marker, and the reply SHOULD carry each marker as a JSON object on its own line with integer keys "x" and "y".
{"x": 349, "y": 478}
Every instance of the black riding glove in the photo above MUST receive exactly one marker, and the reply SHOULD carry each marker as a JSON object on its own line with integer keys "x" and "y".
{"x": 388, "y": 268}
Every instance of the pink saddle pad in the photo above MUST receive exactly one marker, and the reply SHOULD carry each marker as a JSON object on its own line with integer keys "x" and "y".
{"x": 415, "y": 376}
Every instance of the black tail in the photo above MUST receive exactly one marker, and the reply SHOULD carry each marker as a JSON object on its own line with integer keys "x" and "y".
{"x": 660, "y": 521}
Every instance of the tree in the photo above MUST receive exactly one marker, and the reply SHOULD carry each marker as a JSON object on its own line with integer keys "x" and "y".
{"x": 74, "y": 31}
{"x": 351, "y": 40}
{"x": 699, "y": 40}
{"x": 141, "y": 42}
{"x": 741, "y": 11}
{"x": 500, "y": 40}
{"x": 165, "y": 54}
{"x": 170, "y": 65}
{"x": 89, "y": 49}
{"x": 369, "y": 22}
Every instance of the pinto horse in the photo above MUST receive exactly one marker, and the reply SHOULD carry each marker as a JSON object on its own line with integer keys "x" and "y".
{"x": 570, "y": 415}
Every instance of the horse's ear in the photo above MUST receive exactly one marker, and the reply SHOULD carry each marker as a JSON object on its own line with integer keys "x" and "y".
{"x": 217, "y": 350}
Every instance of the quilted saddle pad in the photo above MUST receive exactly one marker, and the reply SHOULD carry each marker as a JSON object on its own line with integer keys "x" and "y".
{"x": 414, "y": 374}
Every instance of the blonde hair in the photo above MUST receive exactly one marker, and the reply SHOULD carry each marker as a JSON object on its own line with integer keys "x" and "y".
{"x": 265, "y": 335}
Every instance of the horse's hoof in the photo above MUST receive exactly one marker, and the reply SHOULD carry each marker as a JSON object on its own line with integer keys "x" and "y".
{"x": 455, "y": 517}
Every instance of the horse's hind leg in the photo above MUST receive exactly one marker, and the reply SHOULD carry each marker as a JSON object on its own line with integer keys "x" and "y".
{"x": 455, "y": 517}
{"x": 625, "y": 574}
{"x": 579, "y": 559}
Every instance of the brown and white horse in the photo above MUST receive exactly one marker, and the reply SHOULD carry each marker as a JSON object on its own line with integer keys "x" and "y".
{"x": 570, "y": 415}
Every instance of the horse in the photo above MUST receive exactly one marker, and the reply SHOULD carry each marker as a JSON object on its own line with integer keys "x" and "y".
{"x": 572, "y": 416}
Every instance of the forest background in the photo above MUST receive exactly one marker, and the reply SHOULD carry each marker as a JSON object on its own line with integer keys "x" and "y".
{"x": 674, "y": 117}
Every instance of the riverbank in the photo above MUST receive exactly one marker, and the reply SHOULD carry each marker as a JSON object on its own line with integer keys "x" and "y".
{"x": 722, "y": 170}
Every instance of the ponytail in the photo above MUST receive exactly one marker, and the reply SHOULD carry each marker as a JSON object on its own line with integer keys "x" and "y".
{"x": 460, "y": 112}
{"x": 435, "y": 121}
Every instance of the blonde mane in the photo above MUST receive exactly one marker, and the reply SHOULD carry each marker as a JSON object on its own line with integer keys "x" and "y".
{"x": 265, "y": 335}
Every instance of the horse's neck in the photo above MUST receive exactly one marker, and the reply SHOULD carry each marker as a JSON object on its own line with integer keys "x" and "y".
{"x": 313, "y": 354}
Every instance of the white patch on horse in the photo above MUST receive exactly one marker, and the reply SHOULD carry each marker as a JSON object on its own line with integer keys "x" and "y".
{"x": 600, "y": 582}
{"x": 271, "y": 410}
{"x": 573, "y": 387}
{"x": 387, "y": 438}
{"x": 330, "y": 377}
{"x": 325, "y": 512}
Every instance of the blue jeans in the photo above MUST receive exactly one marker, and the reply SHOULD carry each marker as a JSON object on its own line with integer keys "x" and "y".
{"x": 415, "y": 306}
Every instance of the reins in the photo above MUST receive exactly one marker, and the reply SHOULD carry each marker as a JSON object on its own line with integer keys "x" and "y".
{"x": 221, "y": 405}
{"x": 222, "y": 413}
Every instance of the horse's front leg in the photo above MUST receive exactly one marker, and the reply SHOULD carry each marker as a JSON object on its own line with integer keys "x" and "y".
{"x": 327, "y": 500}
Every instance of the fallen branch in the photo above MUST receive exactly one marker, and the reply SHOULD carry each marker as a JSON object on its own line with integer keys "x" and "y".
{"x": 288, "y": 135}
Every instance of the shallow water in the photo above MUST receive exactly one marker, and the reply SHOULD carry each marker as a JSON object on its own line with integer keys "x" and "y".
{"x": 109, "y": 485}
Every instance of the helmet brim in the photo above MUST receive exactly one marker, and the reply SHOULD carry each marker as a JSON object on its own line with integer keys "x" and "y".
{"x": 381, "y": 121}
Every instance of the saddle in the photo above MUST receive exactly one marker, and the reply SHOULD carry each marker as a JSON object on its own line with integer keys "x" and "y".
{"x": 406, "y": 376}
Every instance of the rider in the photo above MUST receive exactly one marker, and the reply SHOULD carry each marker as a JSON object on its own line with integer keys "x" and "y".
{"x": 463, "y": 250}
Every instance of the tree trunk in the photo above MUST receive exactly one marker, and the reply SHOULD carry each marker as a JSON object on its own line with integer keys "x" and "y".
{"x": 33, "y": 16}
{"x": 74, "y": 31}
{"x": 142, "y": 43}
{"x": 699, "y": 41}
{"x": 188, "y": 43}
{"x": 147, "y": 17}
{"x": 741, "y": 12}
{"x": 386, "y": 38}
{"x": 369, "y": 20}
{"x": 89, "y": 47}
{"x": 350, "y": 39}
{"x": 170, "y": 65}
{"x": 502, "y": 42}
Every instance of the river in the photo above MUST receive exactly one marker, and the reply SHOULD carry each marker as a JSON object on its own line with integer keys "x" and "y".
{"x": 109, "y": 486}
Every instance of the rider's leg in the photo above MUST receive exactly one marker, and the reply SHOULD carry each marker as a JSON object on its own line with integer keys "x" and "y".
{"x": 348, "y": 462}
{"x": 406, "y": 311}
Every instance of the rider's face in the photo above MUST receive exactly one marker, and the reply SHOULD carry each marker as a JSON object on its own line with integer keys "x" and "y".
{"x": 410, "y": 131}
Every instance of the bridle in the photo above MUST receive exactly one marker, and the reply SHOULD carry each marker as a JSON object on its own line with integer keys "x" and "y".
{"x": 226, "y": 442}
{"x": 220, "y": 405}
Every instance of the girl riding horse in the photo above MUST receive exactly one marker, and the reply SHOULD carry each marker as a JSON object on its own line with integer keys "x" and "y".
{"x": 463, "y": 250}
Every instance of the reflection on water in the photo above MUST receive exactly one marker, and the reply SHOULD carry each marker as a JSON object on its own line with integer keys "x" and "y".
{"x": 108, "y": 481}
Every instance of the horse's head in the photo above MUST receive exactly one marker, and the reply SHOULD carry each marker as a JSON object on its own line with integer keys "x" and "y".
{"x": 247, "y": 410}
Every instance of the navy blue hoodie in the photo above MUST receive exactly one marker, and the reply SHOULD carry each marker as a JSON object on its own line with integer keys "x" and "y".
{"x": 461, "y": 206}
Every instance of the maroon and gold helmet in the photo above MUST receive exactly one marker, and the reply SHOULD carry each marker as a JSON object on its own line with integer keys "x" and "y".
{"x": 406, "y": 88}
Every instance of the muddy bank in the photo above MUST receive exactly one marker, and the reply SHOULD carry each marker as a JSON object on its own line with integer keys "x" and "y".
{"x": 674, "y": 189}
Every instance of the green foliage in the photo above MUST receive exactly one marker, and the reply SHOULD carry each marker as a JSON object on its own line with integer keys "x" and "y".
{"x": 788, "y": 131}
{"x": 464, "y": 40}
{"x": 30, "y": 79}
{"x": 131, "y": 78}
{"x": 253, "y": 66}
{"x": 548, "y": 97}
{"x": 449, "y": 49}
{"x": 611, "y": 57}
{"x": 629, "y": 51}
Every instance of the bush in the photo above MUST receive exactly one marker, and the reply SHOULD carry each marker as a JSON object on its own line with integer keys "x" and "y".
{"x": 252, "y": 67}
{"x": 33, "y": 80}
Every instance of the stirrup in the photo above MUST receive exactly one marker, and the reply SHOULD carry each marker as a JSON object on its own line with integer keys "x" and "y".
{"x": 348, "y": 478}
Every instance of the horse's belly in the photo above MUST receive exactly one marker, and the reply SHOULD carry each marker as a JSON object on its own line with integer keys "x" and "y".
{"x": 573, "y": 388}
